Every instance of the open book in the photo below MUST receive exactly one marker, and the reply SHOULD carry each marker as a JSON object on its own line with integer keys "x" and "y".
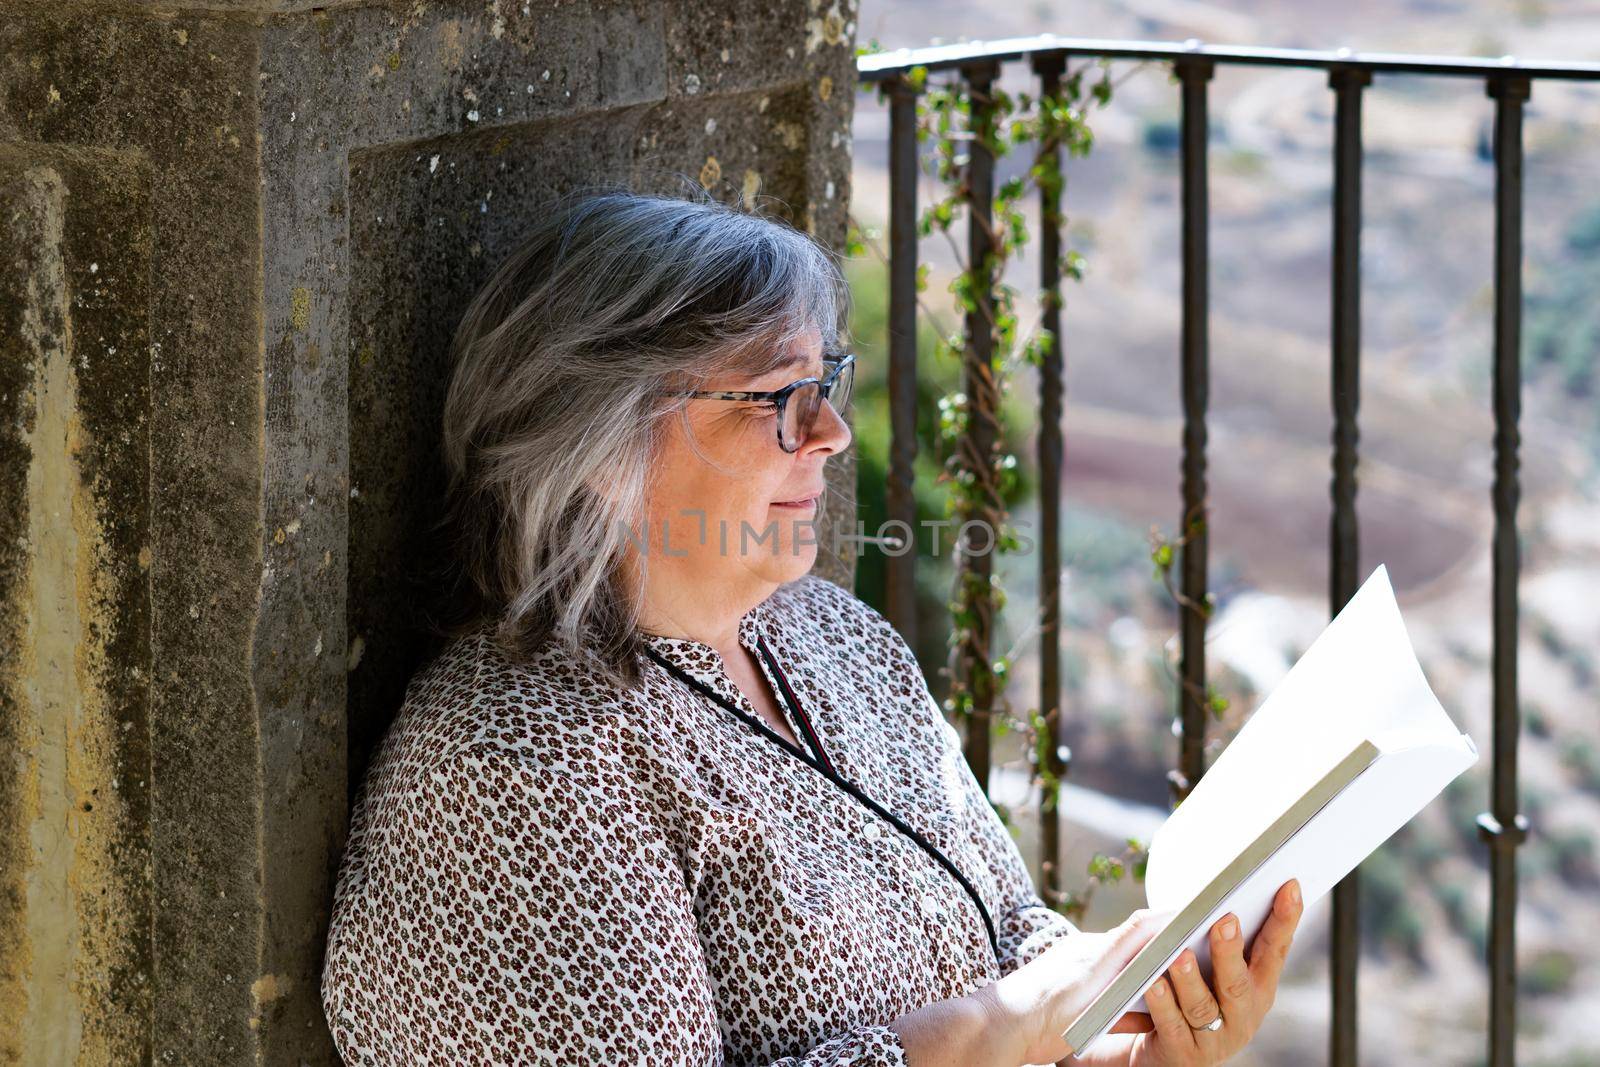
{"x": 1346, "y": 750}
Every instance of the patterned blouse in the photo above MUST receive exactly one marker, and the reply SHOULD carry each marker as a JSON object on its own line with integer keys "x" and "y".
{"x": 542, "y": 868}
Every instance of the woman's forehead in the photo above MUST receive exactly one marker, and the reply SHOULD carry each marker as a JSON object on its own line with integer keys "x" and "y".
{"x": 802, "y": 356}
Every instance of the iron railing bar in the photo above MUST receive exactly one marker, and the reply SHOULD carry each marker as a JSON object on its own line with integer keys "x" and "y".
{"x": 975, "y": 569}
{"x": 1348, "y": 84}
{"x": 1194, "y": 73}
{"x": 1050, "y": 447}
{"x": 900, "y": 592}
{"x": 1504, "y": 828}
{"x": 878, "y": 65}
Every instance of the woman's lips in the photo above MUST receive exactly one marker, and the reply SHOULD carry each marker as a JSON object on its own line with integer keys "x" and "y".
{"x": 808, "y": 502}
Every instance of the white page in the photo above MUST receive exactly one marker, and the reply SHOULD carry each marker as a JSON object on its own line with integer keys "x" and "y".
{"x": 1359, "y": 680}
{"x": 1363, "y": 816}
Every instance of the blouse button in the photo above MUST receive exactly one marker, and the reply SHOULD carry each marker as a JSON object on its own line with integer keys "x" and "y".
{"x": 872, "y": 831}
{"x": 930, "y": 904}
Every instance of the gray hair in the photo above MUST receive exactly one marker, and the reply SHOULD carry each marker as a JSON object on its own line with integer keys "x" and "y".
{"x": 562, "y": 366}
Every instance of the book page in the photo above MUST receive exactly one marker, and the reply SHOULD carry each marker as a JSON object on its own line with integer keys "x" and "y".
{"x": 1386, "y": 796}
{"x": 1359, "y": 680}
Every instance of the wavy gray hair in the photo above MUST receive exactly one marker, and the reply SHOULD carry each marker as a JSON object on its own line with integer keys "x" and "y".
{"x": 561, "y": 368}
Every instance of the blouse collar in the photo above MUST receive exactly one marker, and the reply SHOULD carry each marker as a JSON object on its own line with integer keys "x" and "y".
{"x": 703, "y": 662}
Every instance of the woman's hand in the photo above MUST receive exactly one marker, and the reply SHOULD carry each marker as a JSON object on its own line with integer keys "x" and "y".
{"x": 1029, "y": 1008}
{"x": 1244, "y": 992}
{"x": 1033, "y": 1005}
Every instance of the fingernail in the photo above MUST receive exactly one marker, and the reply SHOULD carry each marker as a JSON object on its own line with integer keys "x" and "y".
{"x": 1230, "y": 927}
{"x": 1186, "y": 963}
{"x": 1294, "y": 890}
{"x": 1156, "y": 990}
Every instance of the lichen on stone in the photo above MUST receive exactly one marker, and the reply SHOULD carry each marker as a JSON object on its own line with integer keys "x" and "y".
{"x": 711, "y": 173}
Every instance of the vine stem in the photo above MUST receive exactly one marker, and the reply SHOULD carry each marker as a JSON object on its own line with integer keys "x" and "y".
{"x": 979, "y": 478}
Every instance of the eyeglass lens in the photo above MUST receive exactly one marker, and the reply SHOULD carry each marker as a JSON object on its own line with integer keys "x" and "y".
{"x": 800, "y": 413}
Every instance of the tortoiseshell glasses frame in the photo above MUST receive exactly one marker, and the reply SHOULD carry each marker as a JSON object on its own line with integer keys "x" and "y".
{"x": 834, "y": 386}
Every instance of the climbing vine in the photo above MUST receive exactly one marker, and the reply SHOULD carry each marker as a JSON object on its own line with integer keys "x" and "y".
{"x": 1163, "y": 554}
{"x": 953, "y": 118}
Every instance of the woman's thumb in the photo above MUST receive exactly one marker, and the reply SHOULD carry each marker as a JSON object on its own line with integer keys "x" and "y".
{"x": 1132, "y": 934}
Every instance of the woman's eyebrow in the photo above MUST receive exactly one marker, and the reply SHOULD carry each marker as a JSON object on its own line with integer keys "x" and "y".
{"x": 795, "y": 360}
{"x": 791, "y": 363}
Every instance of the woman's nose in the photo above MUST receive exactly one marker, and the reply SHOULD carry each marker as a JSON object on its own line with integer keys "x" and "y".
{"x": 830, "y": 432}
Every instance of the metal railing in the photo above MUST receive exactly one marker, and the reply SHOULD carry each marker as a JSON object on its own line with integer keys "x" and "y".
{"x": 978, "y": 65}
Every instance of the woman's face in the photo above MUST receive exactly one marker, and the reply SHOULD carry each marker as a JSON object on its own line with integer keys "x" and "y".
{"x": 717, "y": 506}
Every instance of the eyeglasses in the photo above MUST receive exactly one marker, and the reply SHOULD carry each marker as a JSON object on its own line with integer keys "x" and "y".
{"x": 798, "y": 402}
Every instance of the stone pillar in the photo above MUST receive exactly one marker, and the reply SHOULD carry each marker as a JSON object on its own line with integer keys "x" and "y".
{"x": 235, "y": 238}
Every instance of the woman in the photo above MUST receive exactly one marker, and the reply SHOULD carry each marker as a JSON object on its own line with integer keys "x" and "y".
{"x": 665, "y": 797}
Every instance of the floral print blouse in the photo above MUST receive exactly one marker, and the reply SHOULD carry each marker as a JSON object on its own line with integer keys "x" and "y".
{"x": 542, "y": 868}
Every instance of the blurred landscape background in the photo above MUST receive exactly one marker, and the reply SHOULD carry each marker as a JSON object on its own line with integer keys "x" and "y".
{"x": 1424, "y": 473}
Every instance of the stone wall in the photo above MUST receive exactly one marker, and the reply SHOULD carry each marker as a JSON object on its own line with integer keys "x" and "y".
{"x": 237, "y": 237}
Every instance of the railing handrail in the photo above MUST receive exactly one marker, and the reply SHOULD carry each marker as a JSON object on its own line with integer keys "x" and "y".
{"x": 876, "y": 66}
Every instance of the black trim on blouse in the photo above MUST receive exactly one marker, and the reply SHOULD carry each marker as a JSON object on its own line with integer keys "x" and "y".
{"x": 820, "y": 763}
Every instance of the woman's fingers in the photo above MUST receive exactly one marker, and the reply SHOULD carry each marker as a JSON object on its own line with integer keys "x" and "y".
{"x": 1230, "y": 977}
{"x": 1194, "y": 996}
{"x": 1132, "y": 1022}
{"x": 1270, "y": 946}
{"x": 1174, "y": 1032}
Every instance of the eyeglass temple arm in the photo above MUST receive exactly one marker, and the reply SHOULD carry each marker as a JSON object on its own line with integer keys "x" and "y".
{"x": 835, "y": 361}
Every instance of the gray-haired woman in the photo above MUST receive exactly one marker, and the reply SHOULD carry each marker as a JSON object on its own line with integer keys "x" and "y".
{"x": 664, "y": 796}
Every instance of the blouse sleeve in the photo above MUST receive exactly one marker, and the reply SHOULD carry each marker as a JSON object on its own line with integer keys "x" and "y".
{"x": 534, "y": 911}
{"x": 1024, "y": 924}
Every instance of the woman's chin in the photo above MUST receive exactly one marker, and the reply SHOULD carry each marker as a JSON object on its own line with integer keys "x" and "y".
{"x": 790, "y": 560}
